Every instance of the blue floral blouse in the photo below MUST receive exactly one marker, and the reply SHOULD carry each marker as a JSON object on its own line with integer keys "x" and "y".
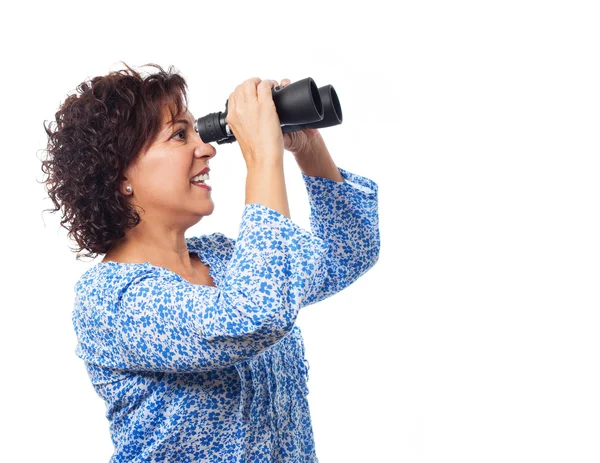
{"x": 194, "y": 373}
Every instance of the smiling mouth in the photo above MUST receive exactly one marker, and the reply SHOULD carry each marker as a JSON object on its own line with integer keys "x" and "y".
{"x": 202, "y": 185}
{"x": 200, "y": 179}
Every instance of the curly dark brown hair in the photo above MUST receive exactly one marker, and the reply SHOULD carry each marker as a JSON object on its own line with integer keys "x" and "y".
{"x": 98, "y": 132}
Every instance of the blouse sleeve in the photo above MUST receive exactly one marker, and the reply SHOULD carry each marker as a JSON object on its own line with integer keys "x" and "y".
{"x": 171, "y": 325}
{"x": 345, "y": 215}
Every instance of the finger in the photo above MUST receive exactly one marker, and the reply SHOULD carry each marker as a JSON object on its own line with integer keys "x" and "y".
{"x": 231, "y": 103}
{"x": 248, "y": 88}
{"x": 285, "y": 82}
{"x": 252, "y": 80}
{"x": 264, "y": 89}
{"x": 230, "y": 108}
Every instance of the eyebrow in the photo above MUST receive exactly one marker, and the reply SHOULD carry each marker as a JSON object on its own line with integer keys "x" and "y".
{"x": 172, "y": 123}
{"x": 185, "y": 121}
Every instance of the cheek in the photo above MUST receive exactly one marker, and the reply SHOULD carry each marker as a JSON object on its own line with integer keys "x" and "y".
{"x": 167, "y": 175}
{"x": 168, "y": 182}
{"x": 166, "y": 194}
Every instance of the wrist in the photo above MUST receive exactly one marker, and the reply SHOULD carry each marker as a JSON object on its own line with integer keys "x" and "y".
{"x": 313, "y": 147}
{"x": 317, "y": 162}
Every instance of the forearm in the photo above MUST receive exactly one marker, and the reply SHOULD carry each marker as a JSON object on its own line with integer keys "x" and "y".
{"x": 345, "y": 215}
{"x": 316, "y": 161}
{"x": 265, "y": 184}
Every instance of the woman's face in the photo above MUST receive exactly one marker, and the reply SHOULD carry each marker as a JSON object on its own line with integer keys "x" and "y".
{"x": 161, "y": 176}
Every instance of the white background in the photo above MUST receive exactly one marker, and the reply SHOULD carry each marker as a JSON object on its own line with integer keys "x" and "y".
{"x": 475, "y": 336}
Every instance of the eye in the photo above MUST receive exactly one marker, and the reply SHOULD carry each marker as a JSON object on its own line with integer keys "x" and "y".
{"x": 178, "y": 133}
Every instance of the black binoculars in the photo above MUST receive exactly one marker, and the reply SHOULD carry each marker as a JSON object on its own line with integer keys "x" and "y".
{"x": 300, "y": 105}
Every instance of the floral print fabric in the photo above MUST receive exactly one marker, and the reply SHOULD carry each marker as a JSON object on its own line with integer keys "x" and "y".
{"x": 193, "y": 373}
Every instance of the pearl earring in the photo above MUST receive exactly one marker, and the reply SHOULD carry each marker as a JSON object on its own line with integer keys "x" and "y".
{"x": 128, "y": 188}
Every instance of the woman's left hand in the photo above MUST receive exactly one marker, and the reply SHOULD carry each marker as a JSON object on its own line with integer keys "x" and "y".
{"x": 302, "y": 140}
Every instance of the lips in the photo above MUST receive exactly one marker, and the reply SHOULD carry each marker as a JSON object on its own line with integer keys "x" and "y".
{"x": 203, "y": 171}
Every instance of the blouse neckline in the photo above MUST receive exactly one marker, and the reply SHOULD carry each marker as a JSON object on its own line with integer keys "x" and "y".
{"x": 211, "y": 268}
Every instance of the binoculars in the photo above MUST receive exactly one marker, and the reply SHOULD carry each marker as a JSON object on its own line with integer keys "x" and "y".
{"x": 300, "y": 105}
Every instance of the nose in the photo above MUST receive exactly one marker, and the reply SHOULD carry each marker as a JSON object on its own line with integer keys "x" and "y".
{"x": 204, "y": 149}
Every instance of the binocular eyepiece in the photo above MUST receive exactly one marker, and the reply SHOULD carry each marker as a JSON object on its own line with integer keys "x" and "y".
{"x": 300, "y": 105}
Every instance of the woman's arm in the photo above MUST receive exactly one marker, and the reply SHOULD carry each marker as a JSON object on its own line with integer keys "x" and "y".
{"x": 136, "y": 319}
{"x": 316, "y": 161}
{"x": 344, "y": 213}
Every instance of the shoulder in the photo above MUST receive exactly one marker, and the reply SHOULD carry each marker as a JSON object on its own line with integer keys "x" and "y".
{"x": 112, "y": 279}
{"x": 217, "y": 243}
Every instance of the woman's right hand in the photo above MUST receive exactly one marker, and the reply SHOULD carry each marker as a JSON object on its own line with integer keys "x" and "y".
{"x": 253, "y": 119}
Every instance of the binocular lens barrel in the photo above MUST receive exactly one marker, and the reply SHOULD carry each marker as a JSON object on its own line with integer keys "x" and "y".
{"x": 300, "y": 105}
{"x": 209, "y": 127}
{"x": 332, "y": 112}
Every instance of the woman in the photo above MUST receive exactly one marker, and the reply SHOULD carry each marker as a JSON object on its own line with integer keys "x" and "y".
{"x": 192, "y": 342}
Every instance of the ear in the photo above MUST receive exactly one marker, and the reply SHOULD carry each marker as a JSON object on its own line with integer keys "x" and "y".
{"x": 125, "y": 181}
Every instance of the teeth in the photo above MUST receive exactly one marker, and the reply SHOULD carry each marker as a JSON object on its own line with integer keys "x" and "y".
{"x": 200, "y": 178}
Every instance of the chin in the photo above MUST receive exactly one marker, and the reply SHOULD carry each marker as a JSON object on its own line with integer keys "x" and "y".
{"x": 209, "y": 210}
